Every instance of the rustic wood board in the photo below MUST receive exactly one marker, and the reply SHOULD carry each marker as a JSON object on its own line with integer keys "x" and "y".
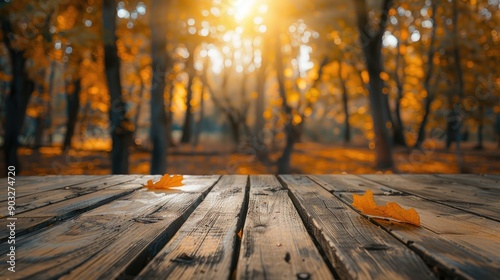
{"x": 275, "y": 243}
{"x": 468, "y": 198}
{"x": 26, "y": 181}
{"x": 469, "y": 245}
{"x": 484, "y": 182}
{"x": 140, "y": 241}
{"x": 356, "y": 247}
{"x": 108, "y": 231}
{"x": 66, "y": 209}
{"x": 37, "y": 200}
{"x": 52, "y": 183}
{"x": 205, "y": 247}
{"x": 352, "y": 184}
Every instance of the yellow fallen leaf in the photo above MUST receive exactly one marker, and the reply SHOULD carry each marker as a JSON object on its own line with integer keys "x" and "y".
{"x": 367, "y": 205}
{"x": 240, "y": 233}
{"x": 166, "y": 182}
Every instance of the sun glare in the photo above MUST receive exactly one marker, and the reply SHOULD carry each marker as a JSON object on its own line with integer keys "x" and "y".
{"x": 242, "y": 8}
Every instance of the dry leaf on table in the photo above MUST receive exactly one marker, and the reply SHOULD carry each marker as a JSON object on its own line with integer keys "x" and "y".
{"x": 166, "y": 182}
{"x": 367, "y": 205}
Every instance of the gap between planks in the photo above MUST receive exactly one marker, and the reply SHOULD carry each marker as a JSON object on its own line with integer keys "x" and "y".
{"x": 49, "y": 214}
{"x": 356, "y": 247}
{"x": 465, "y": 197}
{"x": 205, "y": 246}
{"x": 442, "y": 240}
{"x": 109, "y": 232}
{"x": 275, "y": 244}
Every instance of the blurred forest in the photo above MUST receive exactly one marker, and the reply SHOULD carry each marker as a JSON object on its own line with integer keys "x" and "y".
{"x": 250, "y": 86}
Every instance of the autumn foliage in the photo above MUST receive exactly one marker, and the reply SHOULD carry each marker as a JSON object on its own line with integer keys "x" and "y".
{"x": 166, "y": 182}
{"x": 367, "y": 205}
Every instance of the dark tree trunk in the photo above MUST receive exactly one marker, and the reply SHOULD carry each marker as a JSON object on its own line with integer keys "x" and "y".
{"x": 257, "y": 140}
{"x": 72, "y": 107}
{"x": 290, "y": 129}
{"x": 159, "y": 122}
{"x": 497, "y": 129}
{"x": 39, "y": 121}
{"x": 121, "y": 127}
{"x": 372, "y": 45}
{"x": 458, "y": 68}
{"x": 345, "y": 106}
{"x": 38, "y": 132}
{"x": 458, "y": 104}
{"x": 48, "y": 117}
{"x": 188, "y": 117}
{"x": 16, "y": 102}
{"x": 397, "y": 125}
{"x": 199, "y": 124}
{"x": 139, "y": 105}
{"x": 235, "y": 128}
{"x": 427, "y": 81}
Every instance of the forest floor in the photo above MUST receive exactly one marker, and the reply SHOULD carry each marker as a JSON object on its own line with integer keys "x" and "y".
{"x": 308, "y": 158}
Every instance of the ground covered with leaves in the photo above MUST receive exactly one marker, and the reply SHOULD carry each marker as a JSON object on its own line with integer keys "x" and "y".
{"x": 308, "y": 158}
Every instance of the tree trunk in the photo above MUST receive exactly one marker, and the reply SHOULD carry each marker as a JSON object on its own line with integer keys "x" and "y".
{"x": 188, "y": 117}
{"x": 72, "y": 107}
{"x": 159, "y": 56}
{"x": 372, "y": 45}
{"x": 16, "y": 102}
{"x": 199, "y": 124}
{"x": 460, "y": 78}
{"x": 50, "y": 89}
{"x": 235, "y": 128}
{"x": 121, "y": 127}
{"x": 397, "y": 125}
{"x": 139, "y": 105}
{"x": 39, "y": 121}
{"x": 258, "y": 141}
{"x": 345, "y": 106}
{"x": 43, "y": 119}
{"x": 427, "y": 81}
{"x": 290, "y": 130}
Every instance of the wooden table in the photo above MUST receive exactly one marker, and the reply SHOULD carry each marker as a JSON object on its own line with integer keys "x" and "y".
{"x": 251, "y": 227}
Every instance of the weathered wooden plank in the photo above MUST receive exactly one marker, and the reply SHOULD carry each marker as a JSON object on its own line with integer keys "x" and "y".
{"x": 458, "y": 243}
{"x": 108, "y": 239}
{"x": 352, "y": 184}
{"x": 66, "y": 209}
{"x": 22, "y": 181}
{"x": 357, "y": 248}
{"x": 465, "y": 197}
{"x": 30, "y": 202}
{"x": 205, "y": 246}
{"x": 51, "y": 183}
{"x": 275, "y": 243}
{"x": 484, "y": 182}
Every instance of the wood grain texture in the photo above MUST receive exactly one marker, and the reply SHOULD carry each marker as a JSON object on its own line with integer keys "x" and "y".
{"x": 37, "y": 200}
{"x": 51, "y": 213}
{"x": 357, "y": 248}
{"x": 469, "y": 198}
{"x": 140, "y": 241}
{"x": 484, "y": 182}
{"x": 205, "y": 246}
{"x": 275, "y": 243}
{"x": 118, "y": 232}
{"x": 47, "y": 184}
{"x": 29, "y": 181}
{"x": 458, "y": 243}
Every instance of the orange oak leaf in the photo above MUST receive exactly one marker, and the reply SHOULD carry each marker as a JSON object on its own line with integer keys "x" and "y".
{"x": 166, "y": 182}
{"x": 367, "y": 205}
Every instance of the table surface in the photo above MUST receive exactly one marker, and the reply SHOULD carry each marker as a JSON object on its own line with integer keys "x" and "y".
{"x": 251, "y": 227}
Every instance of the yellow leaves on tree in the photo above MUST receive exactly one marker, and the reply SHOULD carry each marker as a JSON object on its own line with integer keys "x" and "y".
{"x": 166, "y": 182}
{"x": 367, "y": 205}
